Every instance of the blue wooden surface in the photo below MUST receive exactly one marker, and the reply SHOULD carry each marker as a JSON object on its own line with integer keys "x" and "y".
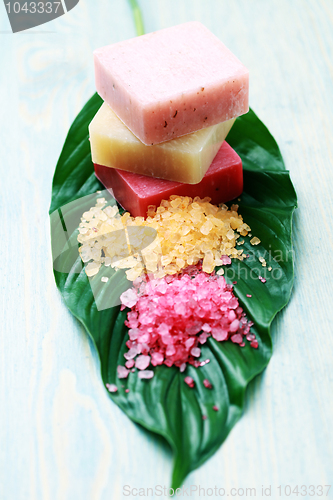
{"x": 61, "y": 437}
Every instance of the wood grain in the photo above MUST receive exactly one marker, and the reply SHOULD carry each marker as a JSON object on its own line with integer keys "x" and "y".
{"x": 61, "y": 437}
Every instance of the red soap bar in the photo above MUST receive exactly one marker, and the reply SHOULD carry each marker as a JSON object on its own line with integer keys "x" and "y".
{"x": 223, "y": 182}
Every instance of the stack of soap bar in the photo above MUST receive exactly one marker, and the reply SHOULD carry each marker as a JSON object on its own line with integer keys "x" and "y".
{"x": 185, "y": 159}
{"x": 170, "y": 99}
{"x": 171, "y": 82}
{"x": 222, "y": 182}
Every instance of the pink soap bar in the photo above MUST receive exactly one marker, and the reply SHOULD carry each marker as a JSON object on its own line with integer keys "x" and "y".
{"x": 222, "y": 182}
{"x": 171, "y": 82}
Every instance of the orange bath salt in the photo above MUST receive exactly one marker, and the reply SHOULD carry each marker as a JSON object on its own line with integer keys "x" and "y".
{"x": 255, "y": 241}
{"x": 188, "y": 231}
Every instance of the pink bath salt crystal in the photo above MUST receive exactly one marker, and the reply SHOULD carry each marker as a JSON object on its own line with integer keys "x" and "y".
{"x": 137, "y": 282}
{"x": 132, "y": 319}
{"x": 131, "y": 353}
{"x": 180, "y": 308}
{"x": 146, "y": 374}
{"x": 232, "y": 315}
{"x": 144, "y": 338}
{"x": 215, "y": 408}
{"x": 122, "y": 371}
{"x": 129, "y": 298}
{"x": 250, "y": 337}
{"x": 220, "y": 334}
{"x": 207, "y": 384}
{"x": 157, "y": 358}
{"x": 234, "y": 326}
{"x": 242, "y": 344}
{"x": 237, "y": 339}
{"x": 182, "y": 367}
{"x": 189, "y": 342}
{"x": 139, "y": 348}
{"x": 163, "y": 329}
{"x": 262, "y": 279}
{"x": 146, "y": 318}
{"x": 254, "y": 344}
{"x": 142, "y": 362}
{"x": 167, "y": 339}
{"x": 111, "y": 387}
{"x": 161, "y": 336}
{"x": 181, "y": 354}
{"x": 144, "y": 348}
{"x": 130, "y": 363}
{"x": 194, "y": 328}
{"x": 195, "y": 351}
{"x": 189, "y": 381}
{"x": 131, "y": 344}
{"x": 127, "y": 390}
{"x": 248, "y": 295}
{"x": 225, "y": 260}
{"x": 170, "y": 350}
{"x": 203, "y": 337}
{"x": 133, "y": 333}
{"x": 233, "y": 303}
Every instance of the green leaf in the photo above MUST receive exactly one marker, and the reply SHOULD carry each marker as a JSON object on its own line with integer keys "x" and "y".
{"x": 166, "y": 405}
{"x": 74, "y": 176}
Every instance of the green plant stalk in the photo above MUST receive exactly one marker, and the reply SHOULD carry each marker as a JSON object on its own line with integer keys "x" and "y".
{"x": 137, "y": 15}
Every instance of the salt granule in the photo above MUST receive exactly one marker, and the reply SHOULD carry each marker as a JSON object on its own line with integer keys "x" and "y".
{"x": 207, "y": 384}
{"x": 142, "y": 362}
{"x": 122, "y": 371}
{"x": 129, "y": 355}
{"x": 189, "y": 381}
{"x": 129, "y": 298}
{"x": 225, "y": 260}
{"x": 195, "y": 352}
{"x": 263, "y": 261}
{"x": 189, "y": 231}
{"x": 130, "y": 363}
{"x": 111, "y": 387}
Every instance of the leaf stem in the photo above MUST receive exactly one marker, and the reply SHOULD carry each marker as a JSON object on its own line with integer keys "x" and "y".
{"x": 137, "y": 15}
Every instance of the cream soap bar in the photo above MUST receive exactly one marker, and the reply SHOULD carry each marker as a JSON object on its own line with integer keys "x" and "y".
{"x": 171, "y": 82}
{"x": 185, "y": 159}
